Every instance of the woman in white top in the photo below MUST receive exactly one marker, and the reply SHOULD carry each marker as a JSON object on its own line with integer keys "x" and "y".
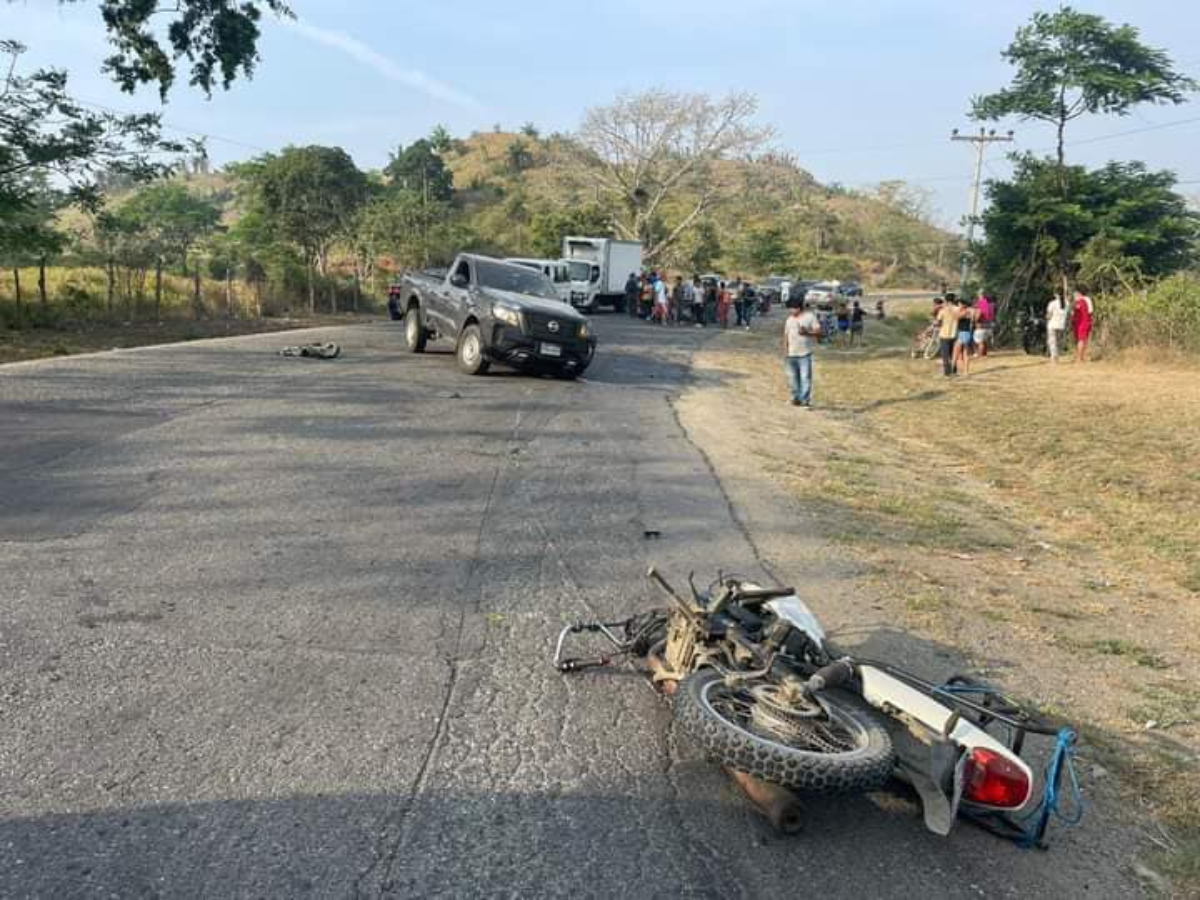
{"x": 1056, "y": 325}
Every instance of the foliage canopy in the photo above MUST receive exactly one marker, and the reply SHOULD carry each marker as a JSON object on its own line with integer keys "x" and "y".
{"x": 218, "y": 38}
{"x": 1070, "y": 64}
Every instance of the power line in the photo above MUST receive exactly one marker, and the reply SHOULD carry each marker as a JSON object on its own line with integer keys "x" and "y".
{"x": 178, "y": 128}
{"x": 1120, "y": 134}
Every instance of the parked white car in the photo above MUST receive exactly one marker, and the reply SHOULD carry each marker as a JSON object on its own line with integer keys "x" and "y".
{"x": 823, "y": 292}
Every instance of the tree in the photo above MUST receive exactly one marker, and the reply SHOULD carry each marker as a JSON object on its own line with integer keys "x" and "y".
{"x": 45, "y": 137}
{"x": 1070, "y": 64}
{"x": 219, "y": 38}
{"x": 441, "y": 140}
{"x": 173, "y": 220}
{"x": 311, "y": 196}
{"x": 646, "y": 150}
{"x": 767, "y": 251}
{"x": 518, "y": 155}
{"x": 420, "y": 168}
{"x": 1121, "y": 218}
{"x": 703, "y": 248}
{"x": 548, "y": 227}
{"x": 409, "y": 229}
{"x": 253, "y": 244}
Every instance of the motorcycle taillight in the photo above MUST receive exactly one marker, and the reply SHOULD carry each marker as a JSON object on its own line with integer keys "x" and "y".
{"x": 992, "y": 779}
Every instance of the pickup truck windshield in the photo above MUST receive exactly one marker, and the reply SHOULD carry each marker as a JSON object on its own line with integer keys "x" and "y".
{"x": 516, "y": 279}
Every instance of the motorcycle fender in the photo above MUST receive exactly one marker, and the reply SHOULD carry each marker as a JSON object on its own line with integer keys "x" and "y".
{"x": 937, "y": 777}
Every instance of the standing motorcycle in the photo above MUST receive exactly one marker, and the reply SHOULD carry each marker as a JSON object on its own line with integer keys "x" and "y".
{"x": 758, "y": 686}
{"x": 1033, "y": 334}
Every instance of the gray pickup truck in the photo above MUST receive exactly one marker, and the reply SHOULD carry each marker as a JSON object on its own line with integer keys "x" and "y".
{"x": 495, "y": 312}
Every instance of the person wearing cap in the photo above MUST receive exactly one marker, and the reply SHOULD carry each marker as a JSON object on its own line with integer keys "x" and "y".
{"x": 801, "y": 332}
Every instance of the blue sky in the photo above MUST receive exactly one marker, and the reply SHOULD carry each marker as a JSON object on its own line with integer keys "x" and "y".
{"x": 860, "y": 92}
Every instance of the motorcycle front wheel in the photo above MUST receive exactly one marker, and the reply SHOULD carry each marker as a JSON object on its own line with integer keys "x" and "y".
{"x": 830, "y": 748}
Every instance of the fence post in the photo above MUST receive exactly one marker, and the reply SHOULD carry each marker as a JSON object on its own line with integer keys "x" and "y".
{"x": 111, "y": 273}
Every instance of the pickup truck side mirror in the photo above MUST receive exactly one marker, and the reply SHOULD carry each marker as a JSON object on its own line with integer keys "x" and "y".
{"x": 459, "y": 280}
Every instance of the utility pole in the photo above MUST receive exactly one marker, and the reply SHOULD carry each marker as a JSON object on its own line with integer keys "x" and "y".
{"x": 981, "y": 142}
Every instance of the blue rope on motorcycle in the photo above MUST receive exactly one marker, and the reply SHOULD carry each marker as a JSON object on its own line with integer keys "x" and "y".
{"x": 1062, "y": 761}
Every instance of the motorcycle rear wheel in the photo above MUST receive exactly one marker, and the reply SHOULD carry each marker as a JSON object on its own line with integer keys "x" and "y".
{"x": 841, "y": 750}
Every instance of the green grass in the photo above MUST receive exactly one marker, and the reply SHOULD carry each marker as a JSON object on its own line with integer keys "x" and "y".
{"x": 1140, "y": 655}
{"x": 1168, "y": 705}
{"x": 927, "y": 601}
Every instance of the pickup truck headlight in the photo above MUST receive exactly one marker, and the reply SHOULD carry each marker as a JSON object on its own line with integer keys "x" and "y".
{"x": 507, "y": 314}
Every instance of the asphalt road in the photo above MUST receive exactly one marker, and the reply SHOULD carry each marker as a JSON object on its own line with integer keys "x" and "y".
{"x": 274, "y": 627}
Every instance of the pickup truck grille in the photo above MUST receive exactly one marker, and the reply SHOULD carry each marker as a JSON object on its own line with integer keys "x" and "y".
{"x": 539, "y": 326}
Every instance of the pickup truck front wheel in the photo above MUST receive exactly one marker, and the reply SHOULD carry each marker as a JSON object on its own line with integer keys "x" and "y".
{"x": 415, "y": 334}
{"x": 470, "y": 351}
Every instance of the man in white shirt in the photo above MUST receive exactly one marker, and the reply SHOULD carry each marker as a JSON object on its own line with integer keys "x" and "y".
{"x": 662, "y": 301}
{"x": 1056, "y": 325}
{"x": 801, "y": 332}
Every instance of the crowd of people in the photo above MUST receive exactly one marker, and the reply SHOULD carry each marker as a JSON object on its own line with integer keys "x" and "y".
{"x": 708, "y": 301}
{"x": 734, "y": 303}
{"x": 699, "y": 301}
{"x": 965, "y": 328}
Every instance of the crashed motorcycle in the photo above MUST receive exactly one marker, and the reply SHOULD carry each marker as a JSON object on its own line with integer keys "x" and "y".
{"x": 760, "y": 689}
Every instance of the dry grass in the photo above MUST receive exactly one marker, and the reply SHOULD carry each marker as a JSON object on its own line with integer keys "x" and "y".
{"x": 1107, "y": 455}
{"x": 39, "y": 343}
{"x": 1026, "y": 513}
{"x": 80, "y": 292}
{"x": 77, "y": 319}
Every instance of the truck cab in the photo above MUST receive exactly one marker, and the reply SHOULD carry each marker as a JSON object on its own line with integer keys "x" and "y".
{"x": 584, "y": 282}
{"x": 609, "y": 264}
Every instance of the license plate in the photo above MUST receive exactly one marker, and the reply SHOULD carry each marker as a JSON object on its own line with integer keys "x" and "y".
{"x": 551, "y": 350}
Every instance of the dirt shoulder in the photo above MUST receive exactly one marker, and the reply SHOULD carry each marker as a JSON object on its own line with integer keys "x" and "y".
{"x": 1034, "y": 525}
{"x": 85, "y": 337}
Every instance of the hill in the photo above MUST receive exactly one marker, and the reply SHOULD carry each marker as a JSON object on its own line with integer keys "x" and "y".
{"x": 771, "y": 215}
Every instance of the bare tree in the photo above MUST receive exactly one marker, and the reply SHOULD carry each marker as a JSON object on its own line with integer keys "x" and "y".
{"x": 657, "y": 149}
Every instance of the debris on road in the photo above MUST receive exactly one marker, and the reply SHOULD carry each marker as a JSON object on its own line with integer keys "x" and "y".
{"x": 313, "y": 351}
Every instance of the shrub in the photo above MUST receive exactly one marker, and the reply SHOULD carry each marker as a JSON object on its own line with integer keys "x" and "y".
{"x": 1165, "y": 315}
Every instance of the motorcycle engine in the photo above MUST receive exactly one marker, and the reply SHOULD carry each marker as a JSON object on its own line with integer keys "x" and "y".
{"x": 681, "y": 645}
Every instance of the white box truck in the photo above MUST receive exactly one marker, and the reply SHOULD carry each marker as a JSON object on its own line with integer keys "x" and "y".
{"x": 609, "y": 264}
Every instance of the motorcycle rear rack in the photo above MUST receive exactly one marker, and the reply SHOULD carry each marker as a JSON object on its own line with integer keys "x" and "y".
{"x": 994, "y": 707}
